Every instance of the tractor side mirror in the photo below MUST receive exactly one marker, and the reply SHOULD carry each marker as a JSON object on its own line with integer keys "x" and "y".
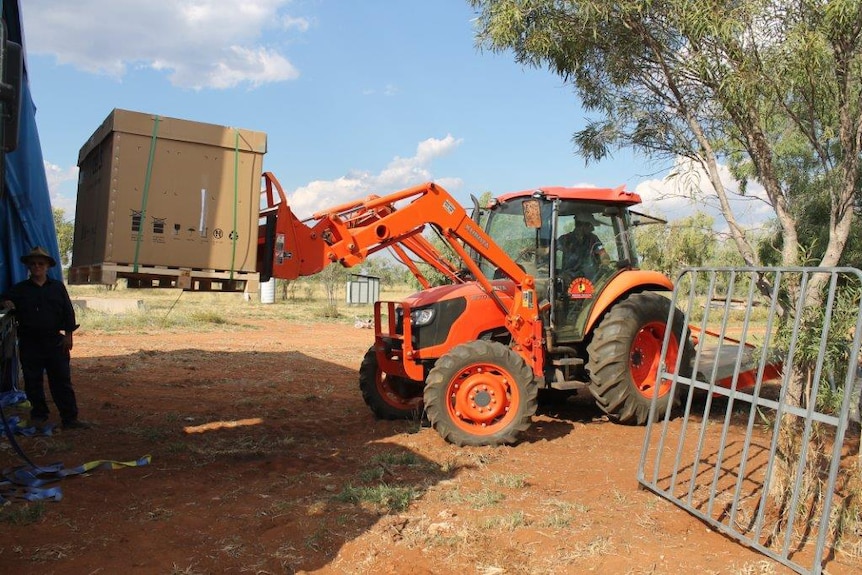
{"x": 532, "y": 213}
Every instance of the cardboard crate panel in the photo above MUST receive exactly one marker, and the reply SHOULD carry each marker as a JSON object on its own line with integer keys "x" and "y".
{"x": 158, "y": 191}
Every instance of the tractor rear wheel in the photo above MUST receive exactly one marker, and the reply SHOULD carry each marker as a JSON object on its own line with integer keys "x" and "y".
{"x": 624, "y": 358}
{"x": 388, "y": 396}
{"x": 480, "y": 393}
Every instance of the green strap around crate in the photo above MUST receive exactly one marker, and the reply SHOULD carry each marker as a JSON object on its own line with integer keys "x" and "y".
{"x": 146, "y": 193}
{"x": 235, "y": 196}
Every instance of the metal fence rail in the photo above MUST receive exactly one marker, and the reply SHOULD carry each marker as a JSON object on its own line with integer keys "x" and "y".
{"x": 737, "y": 452}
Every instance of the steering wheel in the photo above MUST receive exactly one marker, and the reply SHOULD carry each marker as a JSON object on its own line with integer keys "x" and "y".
{"x": 526, "y": 254}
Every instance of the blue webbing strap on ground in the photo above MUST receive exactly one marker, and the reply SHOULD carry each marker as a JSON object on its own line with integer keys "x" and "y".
{"x": 13, "y": 397}
{"x": 26, "y": 482}
{"x": 10, "y": 425}
{"x": 17, "y": 427}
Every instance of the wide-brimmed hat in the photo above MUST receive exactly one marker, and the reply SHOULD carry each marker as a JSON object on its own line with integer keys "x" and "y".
{"x": 587, "y": 218}
{"x": 38, "y": 252}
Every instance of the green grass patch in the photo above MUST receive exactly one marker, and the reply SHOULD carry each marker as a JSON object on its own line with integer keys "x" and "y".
{"x": 397, "y": 458}
{"x": 22, "y": 513}
{"x": 387, "y": 498}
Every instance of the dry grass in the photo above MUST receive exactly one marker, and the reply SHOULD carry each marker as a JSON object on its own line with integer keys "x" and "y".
{"x": 168, "y": 309}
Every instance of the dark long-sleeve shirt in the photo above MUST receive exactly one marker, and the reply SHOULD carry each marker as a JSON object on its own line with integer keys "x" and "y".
{"x": 41, "y": 310}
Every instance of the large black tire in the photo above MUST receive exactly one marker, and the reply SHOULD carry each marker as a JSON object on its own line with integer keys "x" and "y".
{"x": 480, "y": 393}
{"x": 624, "y": 355}
{"x": 388, "y": 396}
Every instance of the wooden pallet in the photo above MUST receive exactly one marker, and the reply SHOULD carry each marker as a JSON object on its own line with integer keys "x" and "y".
{"x": 189, "y": 279}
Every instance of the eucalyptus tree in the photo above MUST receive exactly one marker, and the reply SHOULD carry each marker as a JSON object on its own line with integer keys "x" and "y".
{"x": 771, "y": 89}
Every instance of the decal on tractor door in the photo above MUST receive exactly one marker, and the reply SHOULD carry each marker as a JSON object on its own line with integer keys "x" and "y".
{"x": 279, "y": 249}
{"x": 581, "y": 288}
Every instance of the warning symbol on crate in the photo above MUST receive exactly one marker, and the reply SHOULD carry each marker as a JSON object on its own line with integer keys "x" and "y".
{"x": 218, "y": 233}
{"x": 234, "y": 235}
{"x": 137, "y": 217}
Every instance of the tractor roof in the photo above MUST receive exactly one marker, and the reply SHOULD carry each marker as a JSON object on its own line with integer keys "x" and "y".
{"x": 612, "y": 195}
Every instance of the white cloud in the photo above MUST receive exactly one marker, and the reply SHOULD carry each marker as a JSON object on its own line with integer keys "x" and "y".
{"x": 398, "y": 174}
{"x": 201, "y": 43}
{"x": 291, "y": 23}
{"x": 388, "y": 90}
{"x": 687, "y": 189}
{"x": 57, "y": 178}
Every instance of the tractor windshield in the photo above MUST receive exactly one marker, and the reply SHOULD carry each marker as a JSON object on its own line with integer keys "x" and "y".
{"x": 528, "y": 247}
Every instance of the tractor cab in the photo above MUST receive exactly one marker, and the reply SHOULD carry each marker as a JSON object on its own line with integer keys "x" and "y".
{"x": 573, "y": 241}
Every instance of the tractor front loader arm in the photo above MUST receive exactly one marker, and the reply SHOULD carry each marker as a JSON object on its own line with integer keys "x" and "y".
{"x": 349, "y": 233}
{"x": 290, "y": 248}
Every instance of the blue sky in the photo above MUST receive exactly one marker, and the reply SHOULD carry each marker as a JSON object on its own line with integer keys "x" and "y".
{"x": 356, "y": 97}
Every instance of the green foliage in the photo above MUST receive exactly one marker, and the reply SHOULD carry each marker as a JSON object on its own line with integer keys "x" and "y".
{"x": 772, "y": 91}
{"x": 435, "y": 277}
{"x": 835, "y": 348}
{"x": 812, "y": 212}
{"x": 388, "y": 270}
{"x": 688, "y": 242}
{"x": 65, "y": 236}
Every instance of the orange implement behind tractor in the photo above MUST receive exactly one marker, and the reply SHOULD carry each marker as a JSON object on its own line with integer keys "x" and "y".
{"x": 547, "y": 296}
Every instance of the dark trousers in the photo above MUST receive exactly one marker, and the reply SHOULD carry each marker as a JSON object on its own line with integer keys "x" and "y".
{"x": 46, "y": 355}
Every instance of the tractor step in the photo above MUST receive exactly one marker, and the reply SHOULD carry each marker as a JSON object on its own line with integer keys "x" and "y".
{"x": 568, "y": 361}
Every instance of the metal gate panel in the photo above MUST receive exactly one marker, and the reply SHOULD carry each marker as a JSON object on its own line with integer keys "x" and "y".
{"x": 723, "y": 454}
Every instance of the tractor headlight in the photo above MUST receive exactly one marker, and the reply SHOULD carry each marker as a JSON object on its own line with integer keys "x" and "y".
{"x": 422, "y": 317}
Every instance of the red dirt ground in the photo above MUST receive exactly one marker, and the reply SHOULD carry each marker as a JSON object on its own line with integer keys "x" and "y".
{"x": 272, "y": 497}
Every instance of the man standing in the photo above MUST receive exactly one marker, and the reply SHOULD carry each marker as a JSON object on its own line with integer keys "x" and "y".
{"x": 46, "y": 321}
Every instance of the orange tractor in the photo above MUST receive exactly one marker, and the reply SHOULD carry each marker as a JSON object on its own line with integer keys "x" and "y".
{"x": 547, "y": 296}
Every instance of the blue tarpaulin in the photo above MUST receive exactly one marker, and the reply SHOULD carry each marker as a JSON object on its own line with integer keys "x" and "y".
{"x": 26, "y": 218}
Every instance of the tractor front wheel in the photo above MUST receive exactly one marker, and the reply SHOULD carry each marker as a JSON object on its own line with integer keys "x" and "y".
{"x": 624, "y": 358}
{"x": 388, "y": 396}
{"x": 480, "y": 393}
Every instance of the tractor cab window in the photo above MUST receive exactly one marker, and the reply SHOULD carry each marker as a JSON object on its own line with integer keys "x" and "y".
{"x": 528, "y": 247}
{"x": 586, "y": 244}
{"x": 590, "y": 246}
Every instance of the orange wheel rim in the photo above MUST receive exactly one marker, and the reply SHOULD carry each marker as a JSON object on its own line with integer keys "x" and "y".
{"x": 482, "y": 399}
{"x": 392, "y": 396}
{"x": 644, "y": 358}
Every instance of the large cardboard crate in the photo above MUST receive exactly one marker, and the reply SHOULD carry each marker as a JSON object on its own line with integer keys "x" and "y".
{"x": 165, "y": 193}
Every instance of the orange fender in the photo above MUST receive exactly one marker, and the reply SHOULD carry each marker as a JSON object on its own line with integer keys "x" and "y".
{"x": 623, "y": 284}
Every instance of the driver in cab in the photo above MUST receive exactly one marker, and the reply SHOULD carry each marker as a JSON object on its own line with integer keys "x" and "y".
{"x": 583, "y": 252}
